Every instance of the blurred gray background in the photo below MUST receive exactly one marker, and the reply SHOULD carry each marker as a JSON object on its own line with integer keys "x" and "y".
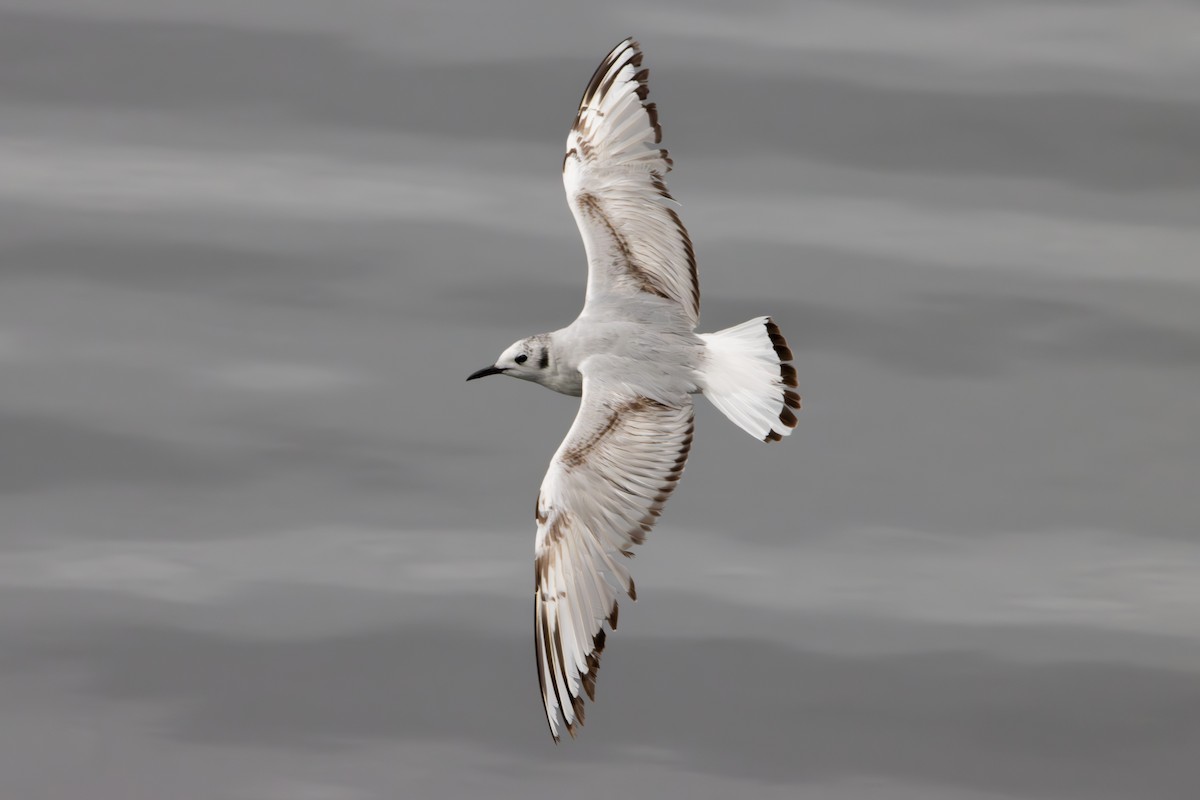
{"x": 259, "y": 541}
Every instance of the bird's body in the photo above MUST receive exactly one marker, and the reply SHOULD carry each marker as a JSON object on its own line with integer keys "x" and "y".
{"x": 644, "y": 337}
{"x": 634, "y": 358}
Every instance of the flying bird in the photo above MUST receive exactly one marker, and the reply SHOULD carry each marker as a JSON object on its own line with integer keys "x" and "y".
{"x": 634, "y": 358}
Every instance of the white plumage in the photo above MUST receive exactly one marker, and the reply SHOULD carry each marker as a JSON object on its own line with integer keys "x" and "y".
{"x": 613, "y": 174}
{"x": 635, "y": 359}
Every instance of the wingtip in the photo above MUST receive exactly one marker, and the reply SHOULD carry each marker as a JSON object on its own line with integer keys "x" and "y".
{"x": 614, "y": 55}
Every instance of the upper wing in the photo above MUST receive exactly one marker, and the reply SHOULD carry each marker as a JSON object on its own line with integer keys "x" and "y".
{"x": 606, "y": 486}
{"x": 613, "y": 173}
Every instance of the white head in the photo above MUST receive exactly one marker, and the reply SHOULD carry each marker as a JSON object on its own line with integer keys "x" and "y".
{"x": 527, "y": 359}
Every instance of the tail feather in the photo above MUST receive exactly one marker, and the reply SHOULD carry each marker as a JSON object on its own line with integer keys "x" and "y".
{"x": 748, "y": 379}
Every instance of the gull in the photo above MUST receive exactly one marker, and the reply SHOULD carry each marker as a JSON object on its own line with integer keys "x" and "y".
{"x": 635, "y": 360}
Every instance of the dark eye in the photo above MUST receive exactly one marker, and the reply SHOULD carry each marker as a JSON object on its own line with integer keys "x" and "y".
{"x": 521, "y": 359}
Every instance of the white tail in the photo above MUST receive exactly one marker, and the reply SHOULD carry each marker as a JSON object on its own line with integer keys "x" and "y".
{"x": 747, "y": 378}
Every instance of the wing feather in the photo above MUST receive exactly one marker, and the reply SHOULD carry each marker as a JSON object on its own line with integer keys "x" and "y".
{"x": 613, "y": 175}
{"x": 603, "y": 492}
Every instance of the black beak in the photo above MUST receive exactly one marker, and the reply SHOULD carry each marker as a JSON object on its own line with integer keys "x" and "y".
{"x": 483, "y": 373}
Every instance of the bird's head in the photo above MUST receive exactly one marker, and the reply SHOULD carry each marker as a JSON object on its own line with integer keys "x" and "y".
{"x": 526, "y": 359}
